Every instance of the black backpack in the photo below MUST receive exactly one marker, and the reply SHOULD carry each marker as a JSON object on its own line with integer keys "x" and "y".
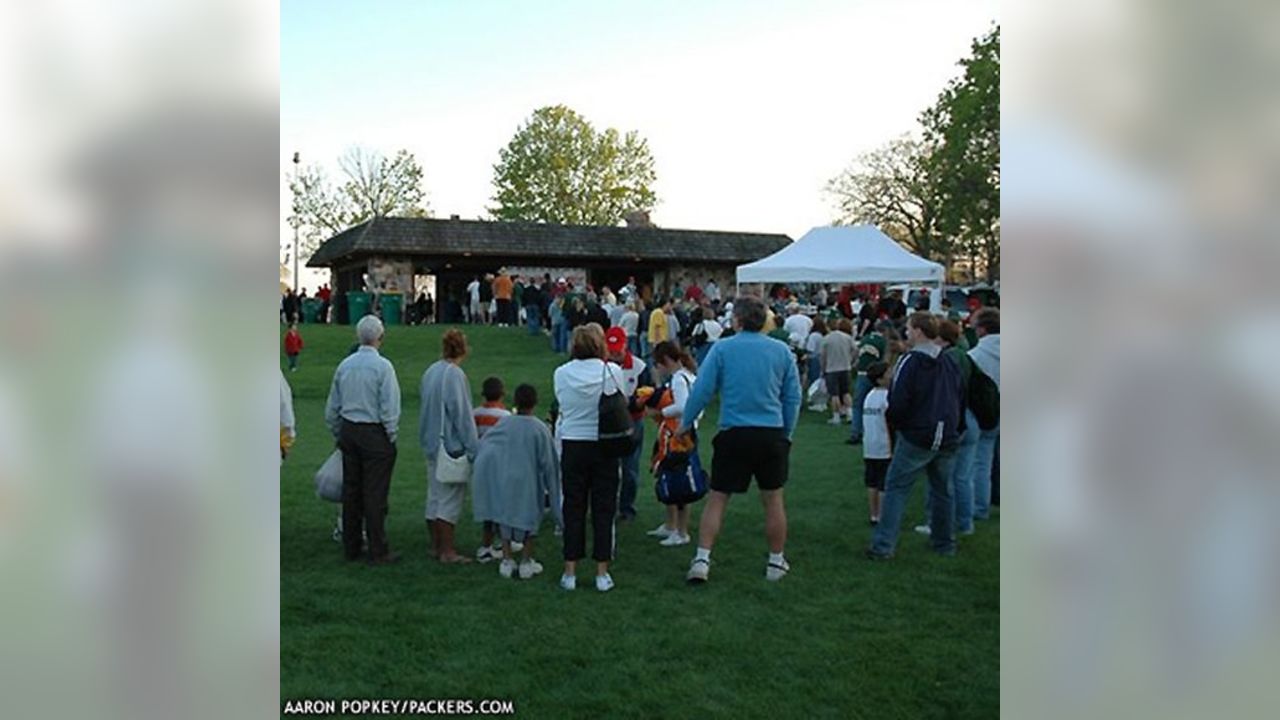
{"x": 984, "y": 399}
{"x": 616, "y": 429}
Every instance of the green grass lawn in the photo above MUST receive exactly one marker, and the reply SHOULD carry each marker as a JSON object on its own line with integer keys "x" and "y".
{"x": 840, "y": 637}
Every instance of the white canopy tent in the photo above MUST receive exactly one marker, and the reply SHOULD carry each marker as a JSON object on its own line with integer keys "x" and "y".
{"x": 845, "y": 254}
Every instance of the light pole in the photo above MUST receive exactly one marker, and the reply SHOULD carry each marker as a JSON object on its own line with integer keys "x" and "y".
{"x": 296, "y": 250}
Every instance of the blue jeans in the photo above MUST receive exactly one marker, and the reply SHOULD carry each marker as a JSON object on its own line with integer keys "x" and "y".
{"x": 560, "y": 337}
{"x": 815, "y": 372}
{"x": 961, "y": 478}
{"x": 860, "y": 390}
{"x": 631, "y": 474}
{"x": 984, "y": 456}
{"x": 644, "y": 349}
{"x": 532, "y": 320}
{"x": 908, "y": 461}
{"x": 633, "y": 345}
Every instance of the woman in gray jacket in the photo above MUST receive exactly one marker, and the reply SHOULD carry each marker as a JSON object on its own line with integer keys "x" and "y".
{"x": 446, "y": 423}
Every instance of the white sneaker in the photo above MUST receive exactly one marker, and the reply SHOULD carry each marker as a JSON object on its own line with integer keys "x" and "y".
{"x": 773, "y": 572}
{"x": 924, "y": 530}
{"x": 835, "y": 421}
{"x": 485, "y": 554}
{"x": 516, "y": 546}
{"x": 698, "y": 570}
{"x": 675, "y": 539}
{"x": 604, "y": 583}
{"x": 661, "y": 531}
{"x": 568, "y": 582}
{"x": 529, "y": 568}
{"x": 507, "y": 568}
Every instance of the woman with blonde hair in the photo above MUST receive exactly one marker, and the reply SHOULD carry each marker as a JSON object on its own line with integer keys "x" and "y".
{"x": 589, "y": 474}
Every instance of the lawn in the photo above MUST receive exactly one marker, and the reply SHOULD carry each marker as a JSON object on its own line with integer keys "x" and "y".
{"x": 840, "y": 637}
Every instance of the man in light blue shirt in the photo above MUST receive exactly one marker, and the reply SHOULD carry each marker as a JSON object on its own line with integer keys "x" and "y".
{"x": 363, "y": 413}
{"x": 759, "y": 390}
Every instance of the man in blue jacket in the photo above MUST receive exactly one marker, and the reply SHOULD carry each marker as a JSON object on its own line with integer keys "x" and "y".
{"x": 759, "y": 389}
{"x": 925, "y": 412}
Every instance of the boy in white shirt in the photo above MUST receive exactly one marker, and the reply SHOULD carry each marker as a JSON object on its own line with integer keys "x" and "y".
{"x": 876, "y": 447}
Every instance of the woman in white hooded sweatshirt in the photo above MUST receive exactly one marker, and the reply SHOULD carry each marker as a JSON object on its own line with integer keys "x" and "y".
{"x": 589, "y": 477}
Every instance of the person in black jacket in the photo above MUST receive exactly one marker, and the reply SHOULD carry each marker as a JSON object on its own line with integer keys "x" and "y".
{"x": 531, "y": 301}
{"x": 925, "y": 412}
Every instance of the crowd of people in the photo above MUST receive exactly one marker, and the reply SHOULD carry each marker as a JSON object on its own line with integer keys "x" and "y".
{"x": 920, "y": 392}
{"x": 291, "y": 305}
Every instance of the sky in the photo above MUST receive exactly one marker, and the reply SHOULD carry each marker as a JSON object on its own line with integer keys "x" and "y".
{"x": 749, "y": 107}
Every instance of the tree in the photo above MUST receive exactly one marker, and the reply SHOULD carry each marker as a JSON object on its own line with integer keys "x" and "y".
{"x": 939, "y": 196}
{"x": 559, "y": 169}
{"x": 373, "y": 186}
{"x": 889, "y": 187}
{"x": 962, "y": 132}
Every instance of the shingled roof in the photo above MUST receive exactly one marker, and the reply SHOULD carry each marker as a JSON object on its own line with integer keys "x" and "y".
{"x": 439, "y": 237}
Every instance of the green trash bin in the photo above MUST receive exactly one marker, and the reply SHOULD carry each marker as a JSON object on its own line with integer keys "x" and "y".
{"x": 357, "y": 305}
{"x": 310, "y": 310}
{"x": 391, "y": 304}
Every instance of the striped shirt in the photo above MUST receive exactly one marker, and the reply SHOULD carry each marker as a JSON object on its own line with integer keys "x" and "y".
{"x": 488, "y": 415}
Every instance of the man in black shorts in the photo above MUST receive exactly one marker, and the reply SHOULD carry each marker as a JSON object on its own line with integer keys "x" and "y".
{"x": 759, "y": 389}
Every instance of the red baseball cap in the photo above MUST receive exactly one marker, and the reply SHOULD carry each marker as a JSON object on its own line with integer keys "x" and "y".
{"x": 615, "y": 339}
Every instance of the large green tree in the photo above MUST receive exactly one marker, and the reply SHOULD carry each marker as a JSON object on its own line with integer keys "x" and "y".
{"x": 371, "y": 186}
{"x": 962, "y": 132}
{"x": 559, "y": 169}
{"x": 939, "y": 195}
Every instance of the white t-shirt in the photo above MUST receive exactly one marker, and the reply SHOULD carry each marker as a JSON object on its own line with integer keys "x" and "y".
{"x": 629, "y": 321}
{"x": 712, "y": 329}
{"x": 681, "y": 385}
{"x": 875, "y": 430}
{"x": 798, "y": 327}
{"x": 474, "y": 290}
{"x": 813, "y": 344}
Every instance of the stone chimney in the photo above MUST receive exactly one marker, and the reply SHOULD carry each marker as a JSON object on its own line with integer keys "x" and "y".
{"x": 638, "y": 218}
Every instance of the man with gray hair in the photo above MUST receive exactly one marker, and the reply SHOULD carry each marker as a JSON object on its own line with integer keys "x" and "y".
{"x": 363, "y": 413}
{"x": 759, "y": 390}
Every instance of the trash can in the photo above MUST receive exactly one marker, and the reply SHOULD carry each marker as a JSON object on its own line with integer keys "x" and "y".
{"x": 310, "y": 310}
{"x": 357, "y": 305}
{"x": 391, "y": 304}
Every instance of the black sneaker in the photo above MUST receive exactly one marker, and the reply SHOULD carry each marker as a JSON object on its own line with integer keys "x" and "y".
{"x": 873, "y": 555}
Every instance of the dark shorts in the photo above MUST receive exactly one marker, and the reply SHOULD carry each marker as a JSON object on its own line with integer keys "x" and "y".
{"x": 743, "y": 452}
{"x": 837, "y": 384}
{"x": 875, "y": 472}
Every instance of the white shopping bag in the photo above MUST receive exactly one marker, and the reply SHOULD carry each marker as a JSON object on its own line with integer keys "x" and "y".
{"x": 329, "y": 478}
{"x": 818, "y": 395}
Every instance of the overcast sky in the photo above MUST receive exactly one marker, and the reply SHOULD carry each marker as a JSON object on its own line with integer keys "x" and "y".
{"x": 749, "y": 107}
